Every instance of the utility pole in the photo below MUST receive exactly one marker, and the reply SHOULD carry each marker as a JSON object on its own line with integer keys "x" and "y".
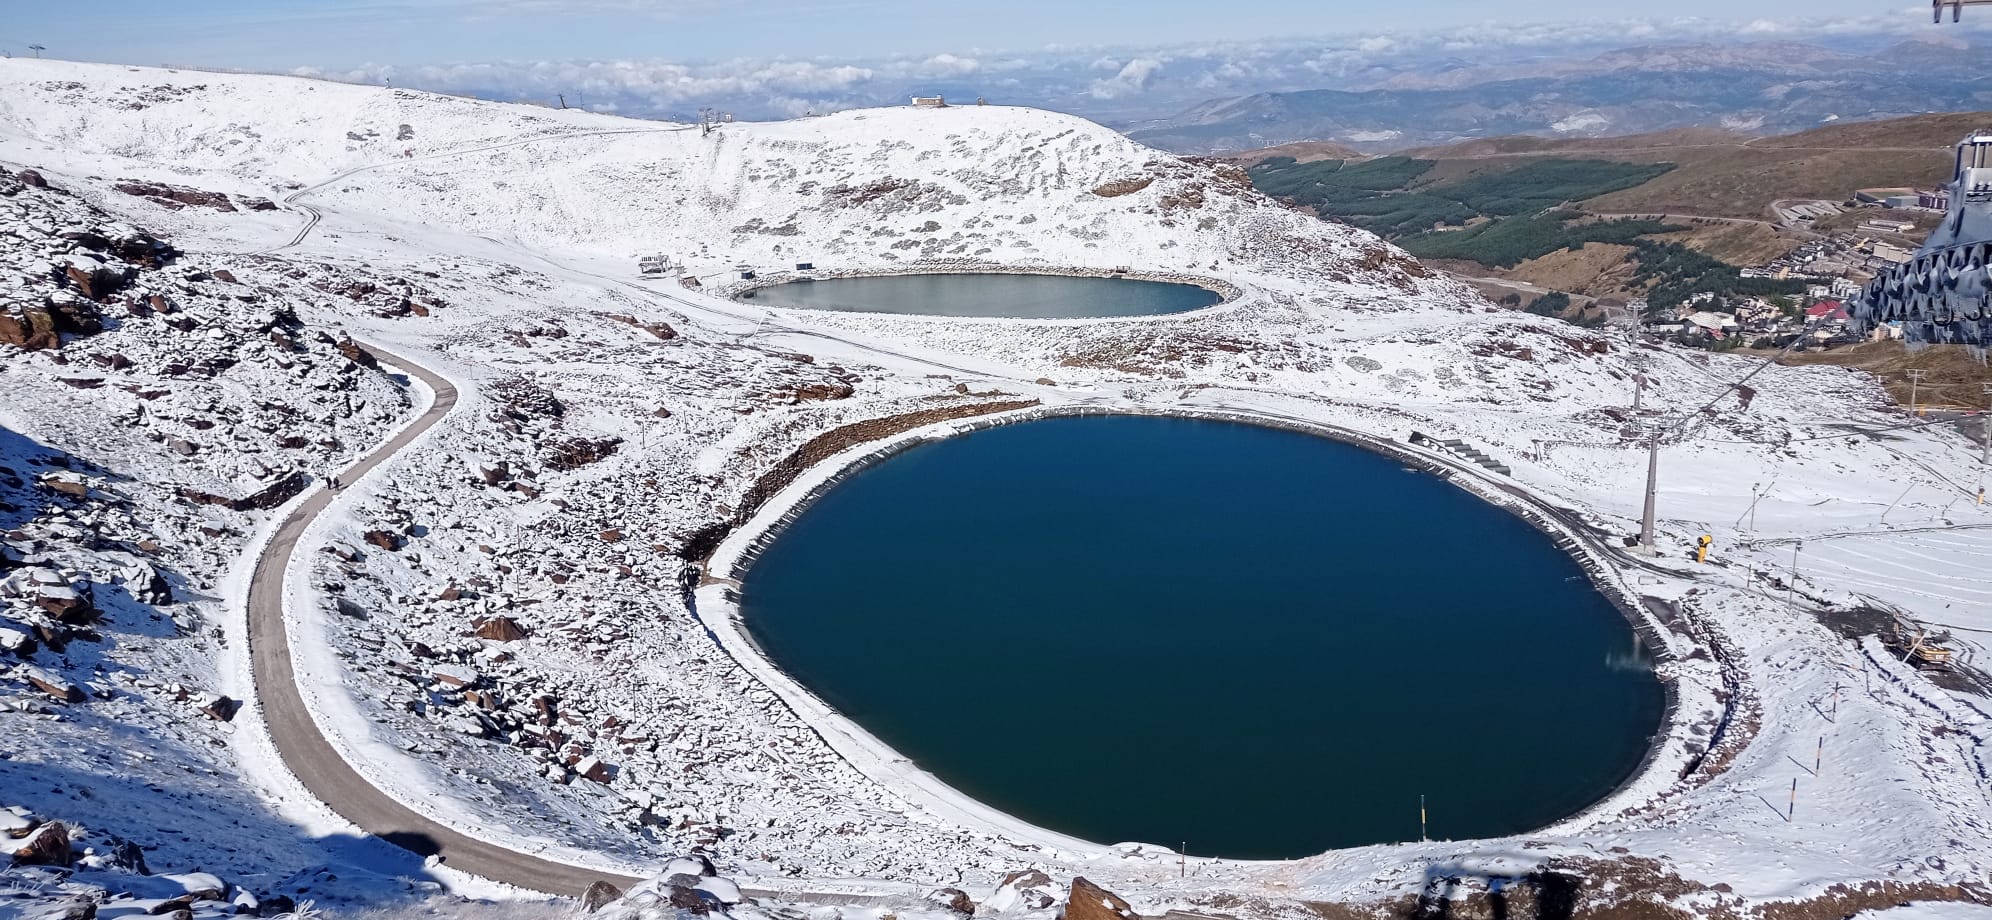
{"x": 1652, "y": 486}
{"x": 1652, "y": 464}
{"x": 37, "y": 49}
{"x": 1985, "y": 429}
{"x": 1915, "y": 384}
{"x": 1652, "y": 442}
{"x": 1985, "y": 449}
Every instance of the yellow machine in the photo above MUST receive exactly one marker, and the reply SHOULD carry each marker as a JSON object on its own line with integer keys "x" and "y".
{"x": 1701, "y": 547}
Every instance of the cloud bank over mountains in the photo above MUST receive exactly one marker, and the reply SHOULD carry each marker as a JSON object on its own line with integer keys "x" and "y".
{"x": 1121, "y": 84}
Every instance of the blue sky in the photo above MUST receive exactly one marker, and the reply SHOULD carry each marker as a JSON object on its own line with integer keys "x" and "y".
{"x": 283, "y": 34}
{"x": 1118, "y": 62}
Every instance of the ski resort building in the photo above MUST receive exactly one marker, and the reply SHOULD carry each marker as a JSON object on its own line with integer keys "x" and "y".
{"x": 1943, "y": 294}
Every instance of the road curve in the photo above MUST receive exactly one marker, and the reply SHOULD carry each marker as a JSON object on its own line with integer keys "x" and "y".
{"x": 303, "y": 747}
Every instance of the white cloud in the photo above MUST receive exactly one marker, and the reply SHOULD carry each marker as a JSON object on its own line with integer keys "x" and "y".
{"x": 945, "y": 64}
{"x": 1132, "y": 79}
{"x": 1094, "y": 79}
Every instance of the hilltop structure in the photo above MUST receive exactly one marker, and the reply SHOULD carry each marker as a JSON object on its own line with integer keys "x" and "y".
{"x": 1944, "y": 294}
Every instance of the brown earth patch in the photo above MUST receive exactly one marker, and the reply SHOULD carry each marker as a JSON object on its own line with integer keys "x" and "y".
{"x": 1595, "y": 270}
{"x": 1119, "y": 187}
{"x": 1952, "y": 375}
{"x": 1736, "y": 244}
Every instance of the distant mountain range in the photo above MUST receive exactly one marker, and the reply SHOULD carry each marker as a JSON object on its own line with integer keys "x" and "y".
{"x": 1759, "y": 88}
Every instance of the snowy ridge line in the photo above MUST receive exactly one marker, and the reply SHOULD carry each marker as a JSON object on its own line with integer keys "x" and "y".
{"x": 718, "y": 608}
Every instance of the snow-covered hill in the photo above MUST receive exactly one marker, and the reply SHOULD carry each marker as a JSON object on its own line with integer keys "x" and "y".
{"x": 499, "y": 629}
{"x": 858, "y": 190}
{"x": 260, "y": 130}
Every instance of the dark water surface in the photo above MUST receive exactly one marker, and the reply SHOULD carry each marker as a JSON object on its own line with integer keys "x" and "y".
{"x": 1260, "y": 642}
{"x": 990, "y": 295}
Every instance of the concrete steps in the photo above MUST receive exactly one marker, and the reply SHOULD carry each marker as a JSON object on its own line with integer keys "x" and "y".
{"x": 1464, "y": 451}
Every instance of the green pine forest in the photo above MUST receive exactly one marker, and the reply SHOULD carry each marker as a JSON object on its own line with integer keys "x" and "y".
{"x": 1503, "y": 218}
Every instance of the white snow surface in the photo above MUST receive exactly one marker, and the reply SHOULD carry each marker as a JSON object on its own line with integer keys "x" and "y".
{"x": 496, "y": 245}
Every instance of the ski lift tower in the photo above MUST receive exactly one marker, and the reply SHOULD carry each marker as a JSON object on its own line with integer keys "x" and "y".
{"x": 1956, "y": 8}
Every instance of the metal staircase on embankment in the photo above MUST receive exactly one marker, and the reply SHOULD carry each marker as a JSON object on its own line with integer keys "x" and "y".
{"x": 1462, "y": 450}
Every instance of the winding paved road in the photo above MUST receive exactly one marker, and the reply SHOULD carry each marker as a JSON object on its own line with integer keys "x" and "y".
{"x": 322, "y": 770}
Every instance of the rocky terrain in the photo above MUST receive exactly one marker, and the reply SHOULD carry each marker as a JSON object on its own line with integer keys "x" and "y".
{"x": 158, "y": 408}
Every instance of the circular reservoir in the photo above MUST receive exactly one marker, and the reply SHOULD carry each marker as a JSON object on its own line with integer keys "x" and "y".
{"x": 1262, "y": 643}
{"x": 990, "y": 295}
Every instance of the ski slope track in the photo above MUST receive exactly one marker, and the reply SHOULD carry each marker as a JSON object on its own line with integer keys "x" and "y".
{"x": 507, "y": 642}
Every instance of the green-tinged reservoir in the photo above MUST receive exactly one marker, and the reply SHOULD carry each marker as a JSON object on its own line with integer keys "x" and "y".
{"x": 1259, "y": 642}
{"x": 990, "y": 295}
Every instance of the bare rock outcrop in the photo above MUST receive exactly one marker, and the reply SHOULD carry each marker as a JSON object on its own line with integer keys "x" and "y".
{"x": 955, "y": 900}
{"x": 356, "y": 354}
{"x": 30, "y": 326}
{"x": 575, "y": 453}
{"x": 501, "y": 629}
{"x": 818, "y": 392}
{"x": 275, "y": 494}
{"x": 1091, "y": 902}
{"x": 57, "y": 688}
{"x": 47, "y": 845}
{"x": 96, "y": 280}
{"x": 175, "y": 197}
{"x": 598, "y": 895}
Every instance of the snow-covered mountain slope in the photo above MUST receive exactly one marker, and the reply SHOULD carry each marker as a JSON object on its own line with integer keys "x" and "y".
{"x": 259, "y": 130}
{"x": 498, "y": 627}
{"x": 851, "y": 191}
{"x": 136, "y": 461}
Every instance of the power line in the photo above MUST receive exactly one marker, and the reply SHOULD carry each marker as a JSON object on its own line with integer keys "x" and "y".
{"x": 1765, "y": 365}
{"x": 1861, "y": 431}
